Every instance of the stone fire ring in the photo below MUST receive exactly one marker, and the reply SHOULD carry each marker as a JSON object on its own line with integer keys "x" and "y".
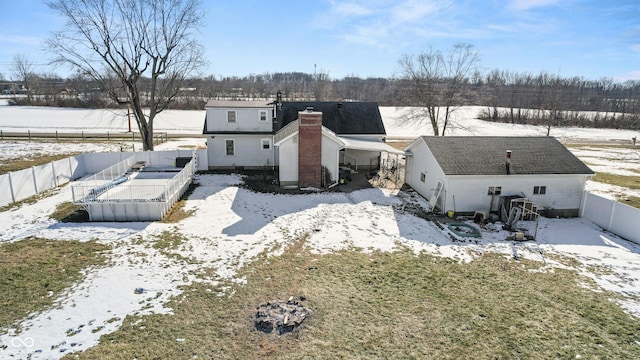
{"x": 280, "y": 316}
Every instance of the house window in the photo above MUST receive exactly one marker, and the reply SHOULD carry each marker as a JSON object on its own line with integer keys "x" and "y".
{"x": 263, "y": 115}
{"x": 539, "y": 190}
{"x": 231, "y": 116}
{"x": 494, "y": 190}
{"x": 266, "y": 144}
{"x": 423, "y": 176}
{"x": 230, "y": 146}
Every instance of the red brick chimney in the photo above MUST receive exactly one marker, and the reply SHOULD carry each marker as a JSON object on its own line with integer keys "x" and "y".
{"x": 310, "y": 149}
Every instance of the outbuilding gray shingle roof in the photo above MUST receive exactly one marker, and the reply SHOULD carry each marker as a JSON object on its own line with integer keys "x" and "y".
{"x": 486, "y": 155}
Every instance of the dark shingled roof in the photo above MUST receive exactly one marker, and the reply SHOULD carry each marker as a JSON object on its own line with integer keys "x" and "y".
{"x": 487, "y": 155}
{"x": 343, "y": 118}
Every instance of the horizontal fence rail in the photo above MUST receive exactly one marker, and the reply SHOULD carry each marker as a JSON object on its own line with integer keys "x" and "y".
{"x": 158, "y": 137}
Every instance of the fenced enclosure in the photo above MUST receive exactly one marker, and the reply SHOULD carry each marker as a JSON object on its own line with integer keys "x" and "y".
{"x": 19, "y": 185}
{"x": 142, "y": 187}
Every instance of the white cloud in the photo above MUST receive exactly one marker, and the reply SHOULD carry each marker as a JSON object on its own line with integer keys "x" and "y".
{"x": 631, "y": 75}
{"x": 350, "y": 9}
{"x": 412, "y": 10}
{"x": 521, "y": 5}
{"x": 368, "y": 35}
{"x": 20, "y": 39}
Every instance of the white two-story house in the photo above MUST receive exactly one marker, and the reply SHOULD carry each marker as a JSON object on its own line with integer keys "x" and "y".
{"x": 307, "y": 142}
{"x": 239, "y": 134}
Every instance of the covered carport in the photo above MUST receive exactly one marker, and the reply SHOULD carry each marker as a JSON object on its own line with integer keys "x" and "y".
{"x": 370, "y": 155}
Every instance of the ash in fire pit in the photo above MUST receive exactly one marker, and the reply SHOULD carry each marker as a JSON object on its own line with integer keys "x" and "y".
{"x": 281, "y": 316}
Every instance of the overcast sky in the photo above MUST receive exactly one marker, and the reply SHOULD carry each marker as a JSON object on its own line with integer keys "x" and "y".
{"x": 591, "y": 39}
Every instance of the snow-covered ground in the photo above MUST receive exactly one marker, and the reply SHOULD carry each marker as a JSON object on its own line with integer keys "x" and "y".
{"x": 241, "y": 224}
{"x": 464, "y": 122}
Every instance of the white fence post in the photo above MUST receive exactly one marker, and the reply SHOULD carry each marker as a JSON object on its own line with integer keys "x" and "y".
{"x": 13, "y": 196}
{"x": 55, "y": 178}
{"x": 35, "y": 181}
{"x": 613, "y": 212}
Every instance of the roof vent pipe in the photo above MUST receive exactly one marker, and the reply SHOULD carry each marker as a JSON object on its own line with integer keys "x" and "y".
{"x": 508, "y": 163}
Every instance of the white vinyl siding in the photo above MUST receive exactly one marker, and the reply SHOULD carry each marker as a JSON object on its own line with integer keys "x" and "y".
{"x": 247, "y": 152}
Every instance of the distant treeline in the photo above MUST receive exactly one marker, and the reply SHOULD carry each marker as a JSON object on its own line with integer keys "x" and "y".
{"x": 550, "y": 100}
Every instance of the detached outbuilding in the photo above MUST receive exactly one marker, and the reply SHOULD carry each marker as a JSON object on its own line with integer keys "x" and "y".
{"x": 466, "y": 174}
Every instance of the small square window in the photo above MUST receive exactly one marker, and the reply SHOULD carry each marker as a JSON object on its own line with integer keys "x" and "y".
{"x": 539, "y": 190}
{"x": 231, "y": 116}
{"x": 423, "y": 177}
{"x": 494, "y": 190}
{"x": 266, "y": 144}
{"x": 263, "y": 115}
{"x": 230, "y": 147}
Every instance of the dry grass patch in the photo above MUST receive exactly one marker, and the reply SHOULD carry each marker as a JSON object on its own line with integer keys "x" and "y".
{"x": 177, "y": 212}
{"x": 35, "y": 160}
{"x": 631, "y": 201}
{"x": 601, "y": 146}
{"x": 68, "y": 212}
{"x": 631, "y": 182}
{"x": 383, "y": 306}
{"x": 31, "y": 199}
{"x": 34, "y": 272}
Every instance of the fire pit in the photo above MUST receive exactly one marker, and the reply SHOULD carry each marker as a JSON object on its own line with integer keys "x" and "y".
{"x": 280, "y": 316}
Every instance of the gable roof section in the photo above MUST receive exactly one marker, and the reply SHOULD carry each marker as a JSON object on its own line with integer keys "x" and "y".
{"x": 487, "y": 155}
{"x": 343, "y": 118}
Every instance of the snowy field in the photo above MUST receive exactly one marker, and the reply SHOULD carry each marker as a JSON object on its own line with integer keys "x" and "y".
{"x": 241, "y": 224}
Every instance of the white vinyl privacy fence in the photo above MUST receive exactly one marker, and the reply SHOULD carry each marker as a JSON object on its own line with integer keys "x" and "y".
{"x": 19, "y": 185}
{"x": 622, "y": 220}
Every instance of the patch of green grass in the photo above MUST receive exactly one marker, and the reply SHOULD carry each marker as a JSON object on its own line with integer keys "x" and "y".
{"x": 387, "y": 306}
{"x": 34, "y": 272}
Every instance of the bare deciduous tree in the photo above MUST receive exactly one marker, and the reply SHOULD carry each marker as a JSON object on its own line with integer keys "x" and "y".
{"x": 139, "y": 51}
{"x": 438, "y": 82}
{"x": 23, "y": 71}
